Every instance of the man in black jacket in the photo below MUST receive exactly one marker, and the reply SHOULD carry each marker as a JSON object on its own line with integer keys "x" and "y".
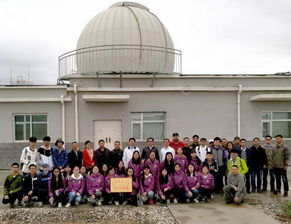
{"x": 101, "y": 155}
{"x": 116, "y": 154}
{"x": 31, "y": 184}
{"x": 148, "y": 149}
{"x": 257, "y": 164}
{"x": 75, "y": 157}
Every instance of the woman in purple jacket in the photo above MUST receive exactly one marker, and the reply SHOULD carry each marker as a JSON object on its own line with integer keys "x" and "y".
{"x": 180, "y": 184}
{"x": 154, "y": 164}
{"x": 196, "y": 162}
{"x": 110, "y": 197}
{"x": 95, "y": 186}
{"x": 136, "y": 164}
{"x": 120, "y": 171}
{"x": 76, "y": 187}
{"x": 181, "y": 159}
{"x": 56, "y": 187}
{"x": 193, "y": 183}
{"x": 147, "y": 185}
{"x": 206, "y": 184}
{"x": 168, "y": 164}
{"x": 131, "y": 198}
{"x": 165, "y": 186}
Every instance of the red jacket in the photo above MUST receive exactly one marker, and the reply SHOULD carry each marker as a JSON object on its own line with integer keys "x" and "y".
{"x": 87, "y": 162}
{"x": 176, "y": 146}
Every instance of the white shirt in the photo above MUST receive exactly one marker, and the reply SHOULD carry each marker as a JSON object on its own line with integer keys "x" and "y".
{"x": 127, "y": 154}
{"x": 164, "y": 152}
{"x": 201, "y": 151}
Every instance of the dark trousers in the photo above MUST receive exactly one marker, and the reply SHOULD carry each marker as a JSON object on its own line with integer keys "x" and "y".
{"x": 257, "y": 174}
{"x": 281, "y": 173}
{"x": 179, "y": 193}
{"x": 60, "y": 198}
{"x": 111, "y": 197}
{"x": 248, "y": 180}
{"x": 265, "y": 179}
{"x": 43, "y": 196}
{"x": 12, "y": 198}
{"x": 218, "y": 179}
{"x": 167, "y": 194}
{"x": 131, "y": 199}
{"x": 205, "y": 192}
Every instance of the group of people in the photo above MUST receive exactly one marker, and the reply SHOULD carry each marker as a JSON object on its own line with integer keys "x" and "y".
{"x": 182, "y": 171}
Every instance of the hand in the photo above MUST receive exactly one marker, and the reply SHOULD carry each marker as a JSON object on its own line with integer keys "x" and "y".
{"x": 6, "y": 197}
{"x": 26, "y": 198}
{"x": 235, "y": 188}
{"x": 212, "y": 168}
{"x": 97, "y": 190}
{"x": 165, "y": 189}
{"x": 265, "y": 167}
{"x": 144, "y": 194}
{"x": 163, "y": 197}
{"x": 190, "y": 193}
{"x": 10, "y": 192}
{"x": 93, "y": 196}
{"x": 78, "y": 194}
{"x": 286, "y": 168}
{"x": 51, "y": 200}
{"x": 193, "y": 188}
{"x": 57, "y": 192}
{"x": 30, "y": 193}
{"x": 202, "y": 185}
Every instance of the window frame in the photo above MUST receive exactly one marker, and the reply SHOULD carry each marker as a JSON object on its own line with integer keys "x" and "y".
{"x": 149, "y": 121}
{"x": 271, "y": 120}
{"x": 30, "y": 122}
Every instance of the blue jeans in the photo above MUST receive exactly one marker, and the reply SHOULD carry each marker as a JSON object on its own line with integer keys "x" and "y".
{"x": 73, "y": 197}
{"x": 150, "y": 195}
{"x": 257, "y": 173}
{"x": 194, "y": 193}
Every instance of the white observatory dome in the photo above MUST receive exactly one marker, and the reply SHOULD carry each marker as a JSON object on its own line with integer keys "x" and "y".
{"x": 125, "y": 38}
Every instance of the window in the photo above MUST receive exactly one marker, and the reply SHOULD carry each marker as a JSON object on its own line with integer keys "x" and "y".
{"x": 144, "y": 125}
{"x": 274, "y": 123}
{"x": 27, "y": 125}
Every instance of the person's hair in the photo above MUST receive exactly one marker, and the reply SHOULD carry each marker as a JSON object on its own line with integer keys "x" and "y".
{"x": 133, "y": 160}
{"x": 234, "y": 166}
{"x": 201, "y": 139}
{"x": 279, "y": 135}
{"x": 122, "y": 170}
{"x": 169, "y": 166}
{"x": 32, "y": 139}
{"x": 243, "y": 139}
{"x": 209, "y": 153}
{"x": 104, "y": 173}
{"x": 236, "y": 138}
{"x": 256, "y": 138}
{"x": 133, "y": 176}
{"x": 87, "y": 141}
{"x": 163, "y": 179}
{"x": 188, "y": 172}
{"x": 74, "y": 142}
{"x": 15, "y": 164}
{"x": 230, "y": 144}
{"x": 198, "y": 160}
{"x": 46, "y": 138}
{"x": 54, "y": 183}
{"x": 117, "y": 141}
{"x": 101, "y": 140}
{"x": 268, "y": 136}
{"x": 132, "y": 139}
{"x": 195, "y": 136}
{"x": 175, "y": 134}
{"x": 186, "y": 138}
{"x": 150, "y": 138}
{"x": 111, "y": 168}
{"x": 177, "y": 164}
{"x": 217, "y": 139}
{"x": 143, "y": 173}
{"x": 31, "y": 165}
{"x": 166, "y": 139}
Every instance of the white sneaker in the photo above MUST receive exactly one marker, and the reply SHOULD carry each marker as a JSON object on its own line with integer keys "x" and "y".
{"x": 68, "y": 205}
{"x": 168, "y": 202}
{"x": 116, "y": 203}
{"x": 175, "y": 201}
{"x": 76, "y": 203}
{"x": 196, "y": 201}
{"x": 99, "y": 203}
{"x": 40, "y": 204}
{"x": 187, "y": 200}
{"x": 212, "y": 196}
{"x": 59, "y": 205}
{"x": 124, "y": 203}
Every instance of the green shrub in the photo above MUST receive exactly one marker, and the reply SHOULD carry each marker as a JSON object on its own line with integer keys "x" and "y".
{"x": 287, "y": 208}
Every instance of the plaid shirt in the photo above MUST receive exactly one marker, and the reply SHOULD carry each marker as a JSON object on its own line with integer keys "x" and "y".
{"x": 60, "y": 158}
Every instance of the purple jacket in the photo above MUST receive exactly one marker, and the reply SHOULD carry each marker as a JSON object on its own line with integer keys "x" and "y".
{"x": 208, "y": 182}
{"x": 107, "y": 182}
{"x": 148, "y": 184}
{"x": 61, "y": 189}
{"x": 95, "y": 181}
{"x": 136, "y": 167}
{"x": 198, "y": 168}
{"x": 193, "y": 181}
{"x": 168, "y": 185}
{"x": 180, "y": 180}
{"x": 154, "y": 166}
{"x": 135, "y": 187}
{"x": 183, "y": 161}
{"x": 76, "y": 185}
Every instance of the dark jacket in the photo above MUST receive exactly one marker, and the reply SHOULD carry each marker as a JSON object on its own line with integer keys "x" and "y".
{"x": 115, "y": 156}
{"x": 187, "y": 151}
{"x": 146, "y": 153}
{"x": 101, "y": 157}
{"x": 44, "y": 181}
{"x": 31, "y": 184}
{"x": 258, "y": 157}
{"x": 73, "y": 160}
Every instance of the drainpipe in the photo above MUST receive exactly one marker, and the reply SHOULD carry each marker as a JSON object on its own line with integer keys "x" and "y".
{"x": 238, "y": 108}
{"x": 76, "y": 114}
{"x": 63, "y": 119}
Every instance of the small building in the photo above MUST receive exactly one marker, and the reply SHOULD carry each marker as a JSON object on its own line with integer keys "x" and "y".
{"x": 125, "y": 79}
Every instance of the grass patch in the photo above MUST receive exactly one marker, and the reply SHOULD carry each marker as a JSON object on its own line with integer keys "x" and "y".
{"x": 287, "y": 209}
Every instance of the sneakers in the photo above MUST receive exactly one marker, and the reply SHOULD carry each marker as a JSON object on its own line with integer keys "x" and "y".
{"x": 168, "y": 202}
{"x": 68, "y": 205}
{"x": 175, "y": 201}
{"x": 196, "y": 200}
{"x": 116, "y": 203}
{"x": 40, "y": 204}
{"x": 76, "y": 203}
{"x": 212, "y": 196}
{"x": 99, "y": 203}
{"x": 188, "y": 200}
{"x": 11, "y": 206}
{"x": 59, "y": 205}
{"x": 285, "y": 194}
{"x": 151, "y": 201}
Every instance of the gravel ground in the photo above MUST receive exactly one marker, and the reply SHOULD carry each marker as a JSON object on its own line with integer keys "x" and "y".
{"x": 105, "y": 214}
{"x": 275, "y": 210}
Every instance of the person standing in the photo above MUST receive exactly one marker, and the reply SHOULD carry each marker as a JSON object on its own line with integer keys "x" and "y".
{"x": 187, "y": 149}
{"x": 29, "y": 156}
{"x": 258, "y": 163}
{"x": 281, "y": 158}
{"x": 269, "y": 149}
{"x": 116, "y": 154}
{"x": 60, "y": 155}
{"x": 246, "y": 156}
{"x": 75, "y": 157}
{"x": 176, "y": 143}
{"x": 101, "y": 155}
{"x": 236, "y": 143}
{"x": 195, "y": 141}
{"x": 167, "y": 148}
{"x": 45, "y": 153}
{"x": 148, "y": 149}
{"x": 128, "y": 151}
{"x": 237, "y": 161}
{"x": 202, "y": 149}
{"x": 88, "y": 155}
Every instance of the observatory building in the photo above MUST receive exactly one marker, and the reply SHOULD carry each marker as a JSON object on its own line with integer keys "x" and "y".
{"x": 125, "y": 79}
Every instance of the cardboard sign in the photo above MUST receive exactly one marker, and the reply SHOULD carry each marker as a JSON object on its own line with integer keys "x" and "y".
{"x": 121, "y": 185}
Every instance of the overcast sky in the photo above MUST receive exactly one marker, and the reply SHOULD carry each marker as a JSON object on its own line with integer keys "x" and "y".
{"x": 215, "y": 36}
